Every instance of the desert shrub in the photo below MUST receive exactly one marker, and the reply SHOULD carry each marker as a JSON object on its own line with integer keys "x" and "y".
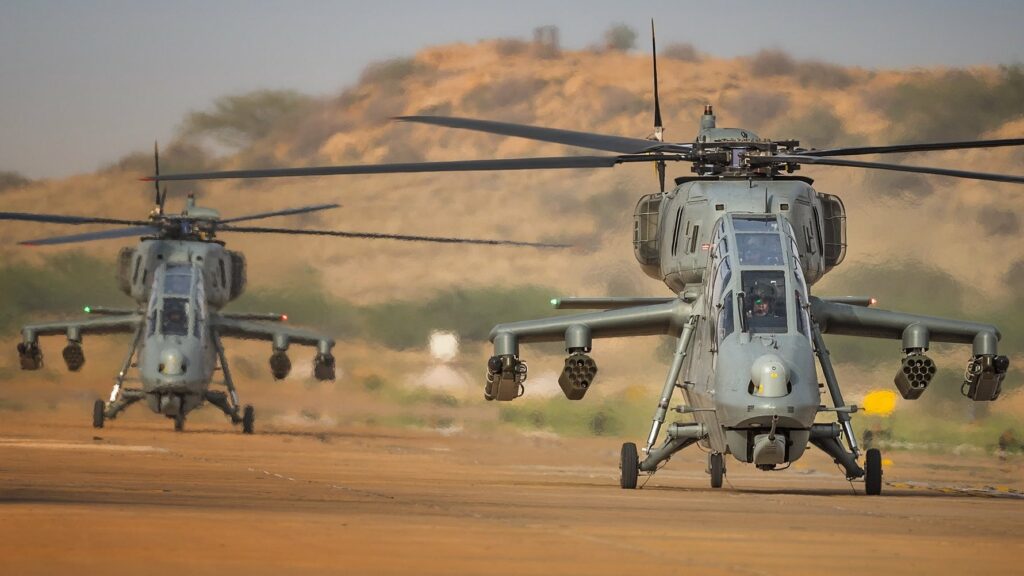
{"x": 757, "y": 107}
{"x": 510, "y": 46}
{"x": 998, "y": 221}
{"x": 903, "y": 186}
{"x": 12, "y": 180}
{"x": 469, "y": 313}
{"x": 59, "y": 286}
{"x": 955, "y": 104}
{"x": 239, "y": 120}
{"x": 619, "y": 101}
{"x": 503, "y": 93}
{"x": 390, "y": 71}
{"x": 180, "y": 156}
{"x": 817, "y": 127}
{"x": 682, "y": 51}
{"x": 771, "y": 62}
{"x": 620, "y": 37}
{"x": 814, "y": 74}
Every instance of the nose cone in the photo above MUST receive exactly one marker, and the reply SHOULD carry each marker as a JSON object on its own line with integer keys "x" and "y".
{"x": 172, "y": 362}
{"x": 769, "y": 376}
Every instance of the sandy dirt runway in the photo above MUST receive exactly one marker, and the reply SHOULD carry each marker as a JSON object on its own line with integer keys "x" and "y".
{"x": 136, "y": 498}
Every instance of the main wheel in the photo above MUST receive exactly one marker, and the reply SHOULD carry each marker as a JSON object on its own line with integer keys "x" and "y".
{"x": 179, "y": 421}
{"x": 629, "y": 466}
{"x": 98, "y": 415}
{"x": 873, "y": 472}
{"x": 716, "y": 465}
{"x": 248, "y": 419}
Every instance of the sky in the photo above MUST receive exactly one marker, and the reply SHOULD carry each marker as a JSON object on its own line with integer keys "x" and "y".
{"x": 83, "y": 83}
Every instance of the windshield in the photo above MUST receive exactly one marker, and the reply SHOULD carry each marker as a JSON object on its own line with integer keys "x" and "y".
{"x": 174, "y": 318}
{"x": 178, "y": 280}
{"x": 759, "y": 249}
{"x": 764, "y": 301}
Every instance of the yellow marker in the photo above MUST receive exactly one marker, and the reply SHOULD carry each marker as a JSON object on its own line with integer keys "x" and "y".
{"x": 880, "y": 402}
{"x": 886, "y": 462}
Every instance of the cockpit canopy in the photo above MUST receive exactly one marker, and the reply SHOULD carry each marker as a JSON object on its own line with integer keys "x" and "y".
{"x": 177, "y": 304}
{"x": 768, "y": 294}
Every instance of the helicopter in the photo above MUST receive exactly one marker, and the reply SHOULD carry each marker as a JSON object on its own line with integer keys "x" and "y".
{"x": 180, "y": 275}
{"x": 739, "y": 244}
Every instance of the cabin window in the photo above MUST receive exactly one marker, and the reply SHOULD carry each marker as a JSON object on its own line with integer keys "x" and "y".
{"x": 135, "y": 274}
{"x": 174, "y": 317}
{"x": 802, "y": 321}
{"x": 223, "y": 274}
{"x": 817, "y": 231}
{"x": 693, "y": 239}
{"x": 764, "y": 301}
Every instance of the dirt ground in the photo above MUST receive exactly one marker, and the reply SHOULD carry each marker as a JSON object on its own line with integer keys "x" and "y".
{"x": 137, "y": 498}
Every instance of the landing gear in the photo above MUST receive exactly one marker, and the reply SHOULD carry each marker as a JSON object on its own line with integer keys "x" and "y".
{"x": 873, "y": 472}
{"x": 248, "y": 419}
{"x": 98, "y": 416}
{"x": 716, "y": 467}
{"x": 179, "y": 420}
{"x": 629, "y": 466}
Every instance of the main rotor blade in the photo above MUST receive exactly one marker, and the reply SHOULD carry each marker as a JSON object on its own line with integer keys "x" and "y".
{"x": 60, "y": 219}
{"x": 930, "y": 147}
{"x": 658, "y": 128}
{"x": 548, "y": 163}
{"x": 802, "y": 159}
{"x": 288, "y": 212}
{"x": 375, "y": 235}
{"x": 90, "y": 236}
{"x": 591, "y": 140}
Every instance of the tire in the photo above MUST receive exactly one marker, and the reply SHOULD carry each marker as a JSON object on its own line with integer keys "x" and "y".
{"x": 179, "y": 421}
{"x": 873, "y": 472}
{"x": 716, "y": 465}
{"x": 629, "y": 467}
{"x": 98, "y": 413}
{"x": 248, "y": 420}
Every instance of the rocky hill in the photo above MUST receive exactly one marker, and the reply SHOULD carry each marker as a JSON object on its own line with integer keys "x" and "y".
{"x": 924, "y": 244}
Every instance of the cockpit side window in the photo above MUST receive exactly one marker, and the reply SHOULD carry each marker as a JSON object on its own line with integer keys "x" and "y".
{"x": 726, "y": 324}
{"x": 764, "y": 301}
{"x": 174, "y": 317}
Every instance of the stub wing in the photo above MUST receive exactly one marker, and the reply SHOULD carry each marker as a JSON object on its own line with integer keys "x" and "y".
{"x": 850, "y": 320}
{"x": 269, "y": 332}
{"x": 75, "y": 329}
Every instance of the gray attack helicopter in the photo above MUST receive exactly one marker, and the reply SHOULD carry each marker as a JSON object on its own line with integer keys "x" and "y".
{"x": 181, "y": 275}
{"x": 739, "y": 243}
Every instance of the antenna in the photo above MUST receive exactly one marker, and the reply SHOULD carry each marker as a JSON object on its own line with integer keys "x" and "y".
{"x": 659, "y": 130}
{"x": 158, "y": 200}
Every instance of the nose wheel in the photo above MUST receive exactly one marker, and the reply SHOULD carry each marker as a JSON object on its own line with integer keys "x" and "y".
{"x": 248, "y": 420}
{"x": 98, "y": 415}
{"x": 716, "y": 467}
{"x": 873, "y": 472}
{"x": 629, "y": 466}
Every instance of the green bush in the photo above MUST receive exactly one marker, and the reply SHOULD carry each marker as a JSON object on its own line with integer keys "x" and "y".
{"x": 240, "y": 120}
{"x": 682, "y": 51}
{"x": 771, "y": 62}
{"x": 12, "y": 180}
{"x": 620, "y": 37}
{"x": 391, "y": 71}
